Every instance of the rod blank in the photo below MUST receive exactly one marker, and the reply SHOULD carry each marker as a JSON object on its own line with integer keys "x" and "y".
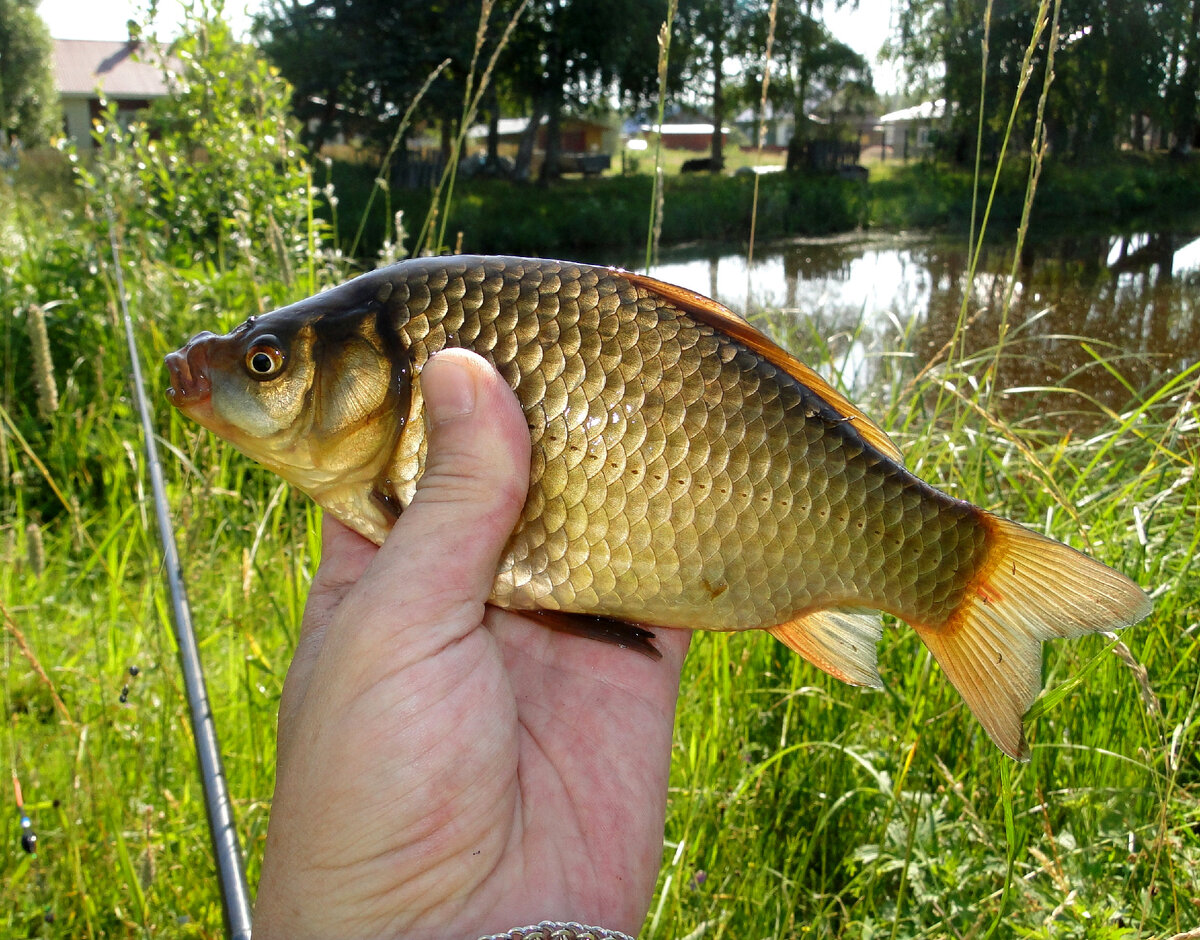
{"x": 227, "y": 850}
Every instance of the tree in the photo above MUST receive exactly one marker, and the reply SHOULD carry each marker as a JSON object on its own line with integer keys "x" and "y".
{"x": 356, "y": 65}
{"x": 580, "y": 55}
{"x": 809, "y": 68}
{"x": 1119, "y": 68}
{"x": 711, "y": 33}
{"x": 214, "y": 170}
{"x": 29, "y": 108}
{"x": 1183, "y": 74}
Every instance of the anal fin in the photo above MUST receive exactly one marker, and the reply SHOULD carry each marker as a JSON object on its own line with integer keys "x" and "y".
{"x": 841, "y": 642}
{"x": 605, "y": 629}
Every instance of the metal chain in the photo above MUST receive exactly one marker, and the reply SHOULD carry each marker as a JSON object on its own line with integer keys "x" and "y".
{"x": 559, "y": 930}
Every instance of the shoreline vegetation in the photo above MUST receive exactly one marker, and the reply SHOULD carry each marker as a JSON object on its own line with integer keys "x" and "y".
{"x": 574, "y": 216}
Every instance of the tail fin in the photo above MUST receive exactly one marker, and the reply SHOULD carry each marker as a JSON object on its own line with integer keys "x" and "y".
{"x": 1031, "y": 589}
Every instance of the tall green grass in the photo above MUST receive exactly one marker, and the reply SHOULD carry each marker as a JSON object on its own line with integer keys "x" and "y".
{"x": 798, "y": 806}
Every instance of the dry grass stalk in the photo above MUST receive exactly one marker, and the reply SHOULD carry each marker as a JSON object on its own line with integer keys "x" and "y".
{"x": 23, "y": 645}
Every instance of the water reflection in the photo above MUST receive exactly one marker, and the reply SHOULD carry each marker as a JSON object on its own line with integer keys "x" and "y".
{"x": 882, "y": 303}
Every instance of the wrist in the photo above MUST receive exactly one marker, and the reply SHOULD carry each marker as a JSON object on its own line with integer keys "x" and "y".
{"x": 559, "y": 930}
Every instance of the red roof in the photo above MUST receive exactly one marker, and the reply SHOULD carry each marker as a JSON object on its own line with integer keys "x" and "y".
{"x": 119, "y": 69}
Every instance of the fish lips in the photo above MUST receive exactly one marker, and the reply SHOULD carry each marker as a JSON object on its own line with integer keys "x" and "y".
{"x": 191, "y": 377}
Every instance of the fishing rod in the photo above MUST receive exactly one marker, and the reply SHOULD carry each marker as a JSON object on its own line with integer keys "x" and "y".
{"x": 227, "y": 850}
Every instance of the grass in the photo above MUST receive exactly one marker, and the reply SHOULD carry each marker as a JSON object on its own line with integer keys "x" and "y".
{"x": 499, "y": 217}
{"x": 798, "y": 806}
{"x": 1121, "y": 192}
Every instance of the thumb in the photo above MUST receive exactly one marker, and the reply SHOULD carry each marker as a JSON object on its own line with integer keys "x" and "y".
{"x": 476, "y": 473}
{"x": 439, "y": 561}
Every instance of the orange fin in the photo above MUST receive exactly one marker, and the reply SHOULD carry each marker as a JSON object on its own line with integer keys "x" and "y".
{"x": 1030, "y": 589}
{"x": 726, "y": 321}
{"x": 842, "y": 642}
{"x": 605, "y": 629}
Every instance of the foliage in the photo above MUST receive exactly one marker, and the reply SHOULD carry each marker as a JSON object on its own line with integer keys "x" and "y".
{"x": 812, "y": 72}
{"x": 212, "y": 184}
{"x": 1126, "y": 73}
{"x": 357, "y": 66}
{"x": 1123, "y": 191}
{"x": 607, "y": 214}
{"x": 570, "y": 55}
{"x": 721, "y": 45}
{"x": 29, "y": 110}
{"x": 215, "y": 171}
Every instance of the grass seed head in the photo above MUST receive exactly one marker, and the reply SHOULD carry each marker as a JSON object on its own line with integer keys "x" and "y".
{"x": 43, "y": 365}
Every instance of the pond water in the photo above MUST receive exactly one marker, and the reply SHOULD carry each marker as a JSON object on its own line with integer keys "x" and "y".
{"x": 887, "y": 302}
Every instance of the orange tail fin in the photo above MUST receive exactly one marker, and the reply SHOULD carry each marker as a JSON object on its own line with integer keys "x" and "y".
{"x": 1031, "y": 589}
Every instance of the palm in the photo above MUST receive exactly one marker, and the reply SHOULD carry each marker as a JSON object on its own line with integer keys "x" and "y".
{"x": 511, "y": 775}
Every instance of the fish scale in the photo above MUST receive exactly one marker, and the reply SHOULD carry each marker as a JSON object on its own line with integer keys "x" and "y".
{"x": 699, "y": 491}
{"x": 685, "y": 471}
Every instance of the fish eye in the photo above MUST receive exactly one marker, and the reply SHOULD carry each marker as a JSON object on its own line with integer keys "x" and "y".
{"x": 264, "y": 360}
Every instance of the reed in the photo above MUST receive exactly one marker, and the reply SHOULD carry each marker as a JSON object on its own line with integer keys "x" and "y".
{"x": 657, "y": 198}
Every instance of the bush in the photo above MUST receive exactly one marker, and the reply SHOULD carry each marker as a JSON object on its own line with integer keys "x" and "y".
{"x": 216, "y": 170}
{"x": 210, "y": 197}
{"x": 579, "y": 217}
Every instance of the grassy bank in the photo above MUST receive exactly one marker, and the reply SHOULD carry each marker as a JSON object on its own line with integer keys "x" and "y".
{"x": 575, "y": 217}
{"x": 1134, "y": 189}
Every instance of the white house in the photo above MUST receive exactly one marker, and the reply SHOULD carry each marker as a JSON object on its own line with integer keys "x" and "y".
{"x": 906, "y": 132}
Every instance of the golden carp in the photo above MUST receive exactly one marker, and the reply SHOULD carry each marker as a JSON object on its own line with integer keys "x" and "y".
{"x": 686, "y": 471}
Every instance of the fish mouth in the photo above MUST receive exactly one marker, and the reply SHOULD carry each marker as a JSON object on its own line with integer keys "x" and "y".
{"x": 191, "y": 379}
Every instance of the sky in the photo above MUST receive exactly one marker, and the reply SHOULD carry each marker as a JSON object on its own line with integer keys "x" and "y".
{"x": 863, "y": 29}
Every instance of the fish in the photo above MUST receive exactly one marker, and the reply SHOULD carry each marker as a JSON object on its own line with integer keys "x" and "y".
{"x": 686, "y": 471}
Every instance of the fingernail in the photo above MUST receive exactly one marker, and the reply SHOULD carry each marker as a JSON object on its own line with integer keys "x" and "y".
{"x": 448, "y": 384}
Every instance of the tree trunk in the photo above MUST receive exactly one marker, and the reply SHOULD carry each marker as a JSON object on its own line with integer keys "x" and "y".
{"x": 717, "y": 149}
{"x": 550, "y": 169}
{"x": 492, "y": 161}
{"x": 556, "y": 68}
{"x": 524, "y": 164}
{"x": 1189, "y": 88}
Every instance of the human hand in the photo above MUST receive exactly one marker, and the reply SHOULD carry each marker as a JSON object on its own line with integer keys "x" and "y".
{"x": 447, "y": 769}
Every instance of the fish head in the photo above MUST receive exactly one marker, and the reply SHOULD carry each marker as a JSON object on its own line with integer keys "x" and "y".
{"x": 316, "y": 392}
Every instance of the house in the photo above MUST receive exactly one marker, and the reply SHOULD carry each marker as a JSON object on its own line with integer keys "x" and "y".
{"x": 780, "y": 126}
{"x": 576, "y": 134}
{"x": 126, "y": 73}
{"x": 692, "y": 136}
{"x": 586, "y": 145}
{"x": 906, "y": 133}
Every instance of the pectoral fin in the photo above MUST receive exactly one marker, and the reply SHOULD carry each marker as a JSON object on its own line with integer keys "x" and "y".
{"x": 605, "y": 629}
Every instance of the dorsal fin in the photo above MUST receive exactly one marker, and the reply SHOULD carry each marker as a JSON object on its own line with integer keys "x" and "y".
{"x": 725, "y": 320}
